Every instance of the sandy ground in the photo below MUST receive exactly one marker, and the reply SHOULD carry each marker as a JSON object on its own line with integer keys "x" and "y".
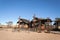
{"x": 7, "y": 34}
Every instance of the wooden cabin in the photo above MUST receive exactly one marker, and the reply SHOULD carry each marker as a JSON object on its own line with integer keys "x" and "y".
{"x": 41, "y": 21}
{"x": 23, "y": 22}
{"x": 36, "y": 23}
{"x": 41, "y": 24}
{"x": 57, "y": 24}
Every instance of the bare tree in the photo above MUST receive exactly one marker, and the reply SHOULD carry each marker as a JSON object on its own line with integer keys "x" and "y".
{"x": 9, "y": 24}
{"x": 0, "y": 25}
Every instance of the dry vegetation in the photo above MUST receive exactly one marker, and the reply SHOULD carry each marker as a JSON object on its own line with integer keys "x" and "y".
{"x": 9, "y": 34}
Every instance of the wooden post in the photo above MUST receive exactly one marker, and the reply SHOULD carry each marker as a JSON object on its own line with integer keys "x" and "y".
{"x": 19, "y": 24}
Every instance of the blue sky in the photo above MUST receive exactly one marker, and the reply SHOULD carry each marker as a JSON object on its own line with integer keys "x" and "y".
{"x": 10, "y": 10}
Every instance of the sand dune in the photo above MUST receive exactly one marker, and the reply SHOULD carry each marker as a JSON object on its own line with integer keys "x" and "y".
{"x": 7, "y": 34}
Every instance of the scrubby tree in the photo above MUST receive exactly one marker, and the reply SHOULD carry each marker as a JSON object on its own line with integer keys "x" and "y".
{"x": 0, "y": 25}
{"x": 9, "y": 24}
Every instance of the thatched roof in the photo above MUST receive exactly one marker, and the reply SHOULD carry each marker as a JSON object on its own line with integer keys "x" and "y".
{"x": 23, "y": 21}
{"x": 42, "y": 19}
{"x": 57, "y": 19}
